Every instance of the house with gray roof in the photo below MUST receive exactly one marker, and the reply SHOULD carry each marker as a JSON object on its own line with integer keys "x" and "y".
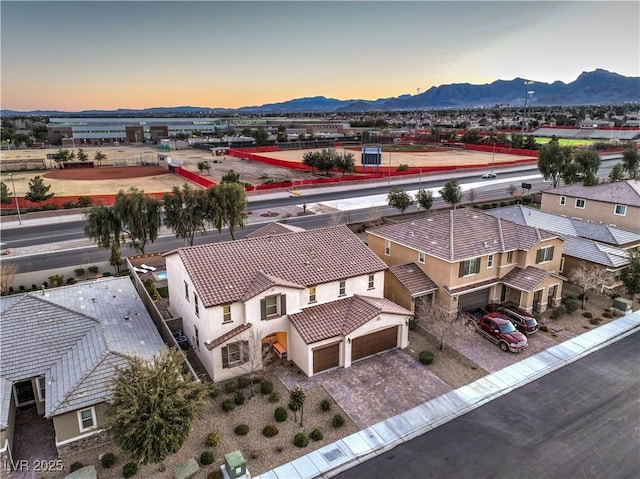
{"x": 585, "y": 243}
{"x": 59, "y": 349}
{"x": 472, "y": 259}
{"x": 616, "y": 204}
{"x": 283, "y": 293}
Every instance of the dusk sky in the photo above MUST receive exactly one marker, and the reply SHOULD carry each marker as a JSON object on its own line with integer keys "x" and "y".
{"x": 78, "y": 55}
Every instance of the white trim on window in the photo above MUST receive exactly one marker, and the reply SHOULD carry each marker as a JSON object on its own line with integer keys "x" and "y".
{"x": 387, "y": 247}
{"x": 342, "y": 288}
{"x": 372, "y": 280}
{"x": 312, "y": 294}
{"x": 41, "y": 387}
{"x": 420, "y": 257}
{"x": 226, "y": 314}
{"x": 620, "y": 210}
{"x": 87, "y": 422}
{"x": 563, "y": 200}
{"x": 581, "y": 203}
{"x": 490, "y": 261}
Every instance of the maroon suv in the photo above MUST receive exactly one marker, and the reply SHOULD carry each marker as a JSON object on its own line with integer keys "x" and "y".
{"x": 522, "y": 320}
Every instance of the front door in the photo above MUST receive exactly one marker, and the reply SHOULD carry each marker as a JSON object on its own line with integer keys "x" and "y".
{"x": 551, "y": 297}
{"x": 24, "y": 393}
{"x": 537, "y": 301}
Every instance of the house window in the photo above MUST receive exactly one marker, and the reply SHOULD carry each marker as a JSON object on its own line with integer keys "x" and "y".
{"x": 87, "y": 419}
{"x": 186, "y": 290}
{"x": 561, "y": 264}
{"x": 273, "y": 306}
{"x": 235, "y": 354}
{"x": 312, "y": 294}
{"x": 509, "y": 257}
{"x": 226, "y": 313}
{"x": 41, "y": 388}
{"x": 371, "y": 282}
{"x": 544, "y": 254}
{"x": 490, "y": 261}
{"x": 420, "y": 257}
{"x": 195, "y": 303}
{"x": 469, "y": 267}
{"x": 620, "y": 210}
{"x": 343, "y": 288}
{"x": 387, "y": 247}
{"x": 197, "y": 337}
{"x": 563, "y": 200}
{"x": 581, "y": 203}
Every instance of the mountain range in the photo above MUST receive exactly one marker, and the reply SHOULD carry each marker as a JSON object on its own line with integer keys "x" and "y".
{"x": 590, "y": 88}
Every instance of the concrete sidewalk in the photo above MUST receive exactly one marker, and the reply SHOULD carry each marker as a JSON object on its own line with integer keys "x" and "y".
{"x": 348, "y": 452}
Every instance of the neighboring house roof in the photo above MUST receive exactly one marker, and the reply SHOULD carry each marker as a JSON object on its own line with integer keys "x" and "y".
{"x": 74, "y": 336}
{"x": 274, "y": 228}
{"x": 625, "y": 192}
{"x": 413, "y": 279}
{"x": 339, "y": 318}
{"x": 595, "y": 252}
{"x": 456, "y": 235}
{"x": 525, "y": 279}
{"x": 305, "y": 258}
{"x": 227, "y": 336}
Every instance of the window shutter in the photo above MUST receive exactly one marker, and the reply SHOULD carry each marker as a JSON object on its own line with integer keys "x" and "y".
{"x": 461, "y": 269}
{"x": 225, "y": 358}
{"x": 283, "y": 305}
{"x": 245, "y": 351}
{"x": 478, "y": 262}
{"x": 539, "y": 256}
{"x": 263, "y": 309}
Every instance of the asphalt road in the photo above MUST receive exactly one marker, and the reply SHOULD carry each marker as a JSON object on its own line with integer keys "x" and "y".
{"x": 581, "y": 421}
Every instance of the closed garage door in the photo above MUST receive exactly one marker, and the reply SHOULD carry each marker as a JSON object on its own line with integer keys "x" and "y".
{"x": 374, "y": 343}
{"x": 477, "y": 299}
{"x": 326, "y": 357}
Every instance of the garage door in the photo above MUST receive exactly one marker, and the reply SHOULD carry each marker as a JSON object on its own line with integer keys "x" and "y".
{"x": 326, "y": 357}
{"x": 374, "y": 343}
{"x": 477, "y": 299}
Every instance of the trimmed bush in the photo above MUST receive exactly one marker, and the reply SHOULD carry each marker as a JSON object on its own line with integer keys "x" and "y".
{"x": 130, "y": 469}
{"x": 228, "y": 405}
{"x": 572, "y": 305}
{"x": 241, "y": 430}
{"x": 213, "y": 439}
{"x": 215, "y": 474}
{"x": 75, "y": 466}
{"x": 280, "y": 414}
{"x": 301, "y": 440}
{"x": 325, "y": 405}
{"x": 206, "y": 458}
{"x": 544, "y": 328}
{"x": 426, "y": 357}
{"x": 338, "y": 420}
{"x": 607, "y": 314}
{"x": 402, "y": 167}
{"x": 274, "y": 396}
{"x": 266, "y": 387}
{"x": 587, "y": 315}
{"x": 214, "y": 390}
{"x": 594, "y": 321}
{"x": 230, "y": 387}
{"x": 270, "y": 431}
{"x": 244, "y": 382}
{"x": 412, "y": 324}
{"x": 239, "y": 398}
{"x": 108, "y": 460}
{"x": 316, "y": 434}
{"x": 559, "y": 311}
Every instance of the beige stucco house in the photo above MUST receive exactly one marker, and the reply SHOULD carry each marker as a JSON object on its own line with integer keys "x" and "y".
{"x": 471, "y": 259}
{"x": 312, "y": 297}
{"x": 58, "y": 351}
{"x": 616, "y": 204}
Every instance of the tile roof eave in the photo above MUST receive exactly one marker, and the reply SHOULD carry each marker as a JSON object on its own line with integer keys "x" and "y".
{"x": 227, "y": 336}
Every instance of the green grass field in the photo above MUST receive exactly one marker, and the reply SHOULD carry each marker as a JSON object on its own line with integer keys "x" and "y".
{"x": 568, "y": 141}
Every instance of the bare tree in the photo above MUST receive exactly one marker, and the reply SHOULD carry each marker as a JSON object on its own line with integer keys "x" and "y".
{"x": 436, "y": 319}
{"x": 372, "y": 217}
{"x": 253, "y": 360}
{"x": 335, "y": 218}
{"x": 7, "y": 273}
{"x": 588, "y": 278}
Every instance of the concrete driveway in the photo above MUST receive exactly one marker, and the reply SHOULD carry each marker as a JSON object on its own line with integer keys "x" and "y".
{"x": 373, "y": 389}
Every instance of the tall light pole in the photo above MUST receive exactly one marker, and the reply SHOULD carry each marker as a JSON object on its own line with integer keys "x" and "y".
{"x": 13, "y": 185}
{"x": 530, "y": 93}
{"x": 527, "y": 83}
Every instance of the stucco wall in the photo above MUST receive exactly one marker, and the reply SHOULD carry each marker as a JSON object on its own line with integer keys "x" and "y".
{"x": 7, "y": 433}
{"x": 67, "y": 426}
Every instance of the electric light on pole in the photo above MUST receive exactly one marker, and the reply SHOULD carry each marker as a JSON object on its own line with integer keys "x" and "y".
{"x": 14, "y": 195}
{"x": 527, "y": 83}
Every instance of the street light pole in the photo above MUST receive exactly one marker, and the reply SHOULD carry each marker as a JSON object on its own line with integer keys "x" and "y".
{"x": 13, "y": 185}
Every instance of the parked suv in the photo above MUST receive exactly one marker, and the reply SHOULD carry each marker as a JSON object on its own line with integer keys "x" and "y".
{"x": 522, "y": 320}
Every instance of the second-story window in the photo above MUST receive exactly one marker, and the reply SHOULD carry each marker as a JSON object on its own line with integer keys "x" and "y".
{"x": 469, "y": 267}
{"x": 371, "y": 282}
{"x": 387, "y": 247}
{"x": 509, "y": 257}
{"x": 544, "y": 254}
{"x": 581, "y": 203}
{"x": 563, "y": 200}
{"x": 195, "y": 302}
{"x": 490, "y": 261}
{"x": 186, "y": 290}
{"x": 343, "y": 288}
{"x": 620, "y": 210}
{"x": 420, "y": 257}
{"x": 312, "y": 294}
{"x": 273, "y": 307}
{"x": 226, "y": 313}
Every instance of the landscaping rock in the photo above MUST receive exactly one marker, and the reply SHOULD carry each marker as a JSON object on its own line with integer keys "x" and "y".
{"x": 187, "y": 469}
{"x": 86, "y": 472}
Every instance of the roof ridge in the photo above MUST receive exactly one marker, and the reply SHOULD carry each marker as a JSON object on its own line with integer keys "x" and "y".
{"x": 451, "y": 229}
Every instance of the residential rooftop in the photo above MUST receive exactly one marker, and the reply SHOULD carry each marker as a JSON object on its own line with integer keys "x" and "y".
{"x": 625, "y": 192}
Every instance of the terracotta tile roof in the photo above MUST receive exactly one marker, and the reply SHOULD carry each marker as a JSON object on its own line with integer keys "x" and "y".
{"x": 223, "y": 272}
{"x": 455, "y": 235}
{"x": 227, "y": 336}
{"x": 274, "y": 228}
{"x": 339, "y": 318}
{"x": 525, "y": 279}
{"x": 262, "y": 282}
{"x": 472, "y": 287}
{"x": 413, "y": 278}
{"x": 620, "y": 192}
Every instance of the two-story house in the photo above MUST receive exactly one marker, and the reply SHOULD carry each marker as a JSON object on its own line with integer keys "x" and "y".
{"x": 472, "y": 259}
{"x": 616, "y": 203}
{"x": 314, "y": 297}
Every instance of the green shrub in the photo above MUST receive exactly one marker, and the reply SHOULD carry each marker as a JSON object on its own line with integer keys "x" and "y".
{"x": 239, "y": 398}
{"x": 544, "y": 328}
{"x": 108, "y": 460}
{"x": 325, "y": 405}
{"x": 254, "y": 454}
{"x": 301, "y": 440}
{"x": 412, "y": 324}
{"x": 94, "y": 270}
{"x": 338, "y": 420}
{"x": 244, "y": 382}
{"x": 130, "y": 469}
{"x": 22, "y": 288}
{"x": 79, "y": 271}
{"x": 215, "y": 474}
{"x": 213, "y": 390}
{"x": 426, "y": 357}
{"x": 607, "y": 314}
{"x": 402, "y": 167}
{"x": 572, "y": 305}
{"x": 270, "y": 431}
{"x": 163, "y": 291}
{"x": 559, "y": 311}
{"x": 84, "y": 201}
{"x": 316, "y": 434}
{"x": 280, "y": 414}
{"x": 594, "y": 321}
{"x": 68, "y": 205}
{"x": 109, "y": 273}
{"x": 230, "y": 386}
{"x": 241, "y": 429}
{"x": 206, "y": 458}
{"x": 257, "y": 380}
{"x": 228, "y": 405}
{"x": 213, "y": 439}
{"x": 75, "y": 466}
{"x": 274, "y": 396}
{"x": 587, "y": 315}
{"x": 266, "y": 387}
{"x": 70, "y": 280}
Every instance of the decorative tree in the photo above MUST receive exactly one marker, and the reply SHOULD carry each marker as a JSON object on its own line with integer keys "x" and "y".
{"x": 7, "y": 273}
{"x": 5, "y": 194}
{"x": 99, "y": 157}
{"x": 425, "y": 199}
{"x": 434, "y": 317}
{"x": 226, "y": 204}
{"x": 38, "y": 191}
{"x": 399, "y": 199}
{"x": 116, "y": 258}
{"x": 631, "y": 162}
{"x": 631, "y": 275}
{"x": 185, "y": 211}
{"x": 451, "y": 193}
{"x": 588, "y": 279}
{"x": 82, "y": 156}
{"x": 345, "y": 163}
{"x": 552, "y": 160}
{"x": 230, "y": 177}
{"x": 296, "y": 402}
{"x": 617, "y": 172}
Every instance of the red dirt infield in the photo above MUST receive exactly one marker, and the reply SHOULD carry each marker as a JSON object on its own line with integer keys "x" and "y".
{"x": 106, "y": 173}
